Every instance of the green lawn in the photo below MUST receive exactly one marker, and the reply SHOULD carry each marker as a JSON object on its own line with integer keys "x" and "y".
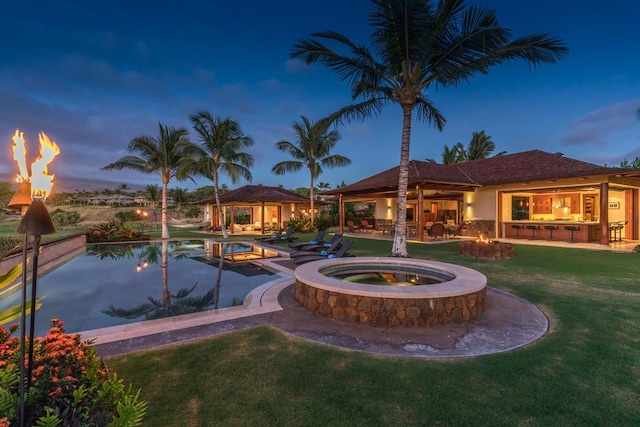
{"x": 585, "y": 371}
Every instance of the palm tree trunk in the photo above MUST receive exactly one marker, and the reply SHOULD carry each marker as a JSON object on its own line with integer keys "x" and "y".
{"x": 400, "y": 238}
{"x": 223, "y": 227}
{"x": 311, "y": 201}
{"x": 166, "y": 295}
{"x": 163, "y": 217}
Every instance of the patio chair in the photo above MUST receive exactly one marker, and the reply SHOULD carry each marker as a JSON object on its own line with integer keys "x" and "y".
{"x": 340, "y": 253}
{"x": 352, "y": 227}
{"x": 437, "y": 231}
{"x": 365, "y": 226}
{"x": 316, "y": 241}
{"x": 324, "y": 249}
{"x": 456, "y": 231}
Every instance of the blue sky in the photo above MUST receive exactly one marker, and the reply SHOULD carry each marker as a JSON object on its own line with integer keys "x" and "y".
{"x": 94, "y": 75}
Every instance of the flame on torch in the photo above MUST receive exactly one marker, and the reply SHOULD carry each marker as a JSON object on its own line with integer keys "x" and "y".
{"x": 41, "y": 181}
{"x": 19, "y": 155}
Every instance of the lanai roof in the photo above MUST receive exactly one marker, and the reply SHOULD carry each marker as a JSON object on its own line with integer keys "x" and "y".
{"x": 258, "y": 194}
{"x": 527, "y": 166}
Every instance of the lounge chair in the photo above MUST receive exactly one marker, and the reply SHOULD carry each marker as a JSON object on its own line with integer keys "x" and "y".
{"x": 321, "y": 246}
{"x": 278, "y": 234}
{"x": 340, "y": 253}
{"x": 319, "y": 249}
{"x": 286, "y": 237}
{"x": 316, "y": 241}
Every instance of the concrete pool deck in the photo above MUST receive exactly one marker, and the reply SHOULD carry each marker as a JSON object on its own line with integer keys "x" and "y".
{"x": 508, "y": 323}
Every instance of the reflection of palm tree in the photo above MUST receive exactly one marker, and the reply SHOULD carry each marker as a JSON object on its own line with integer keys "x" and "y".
{"x": 216, "y": 288}
{"x": 115, "y": 252}
{"x": 169, "y": 304}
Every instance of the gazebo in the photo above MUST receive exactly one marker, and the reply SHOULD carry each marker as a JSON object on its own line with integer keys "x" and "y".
{"x": 270, "y": 208}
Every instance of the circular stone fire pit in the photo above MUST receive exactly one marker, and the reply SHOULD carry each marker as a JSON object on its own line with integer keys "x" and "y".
{"x": 486, "y": 249}
{"x": 458, "y": 297}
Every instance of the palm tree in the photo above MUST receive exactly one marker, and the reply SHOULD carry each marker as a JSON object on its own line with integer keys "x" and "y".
{"x": 220, "y": 152}
{"x": 313, "y": 151}
{"x": 153, "y": 194}
{"x": 179, "y": 197}
{"x": 481, "y": 146}
{"x": 455, "y": 154}
{"x": 419, "y": 45}
{"x": 163, "y": 155}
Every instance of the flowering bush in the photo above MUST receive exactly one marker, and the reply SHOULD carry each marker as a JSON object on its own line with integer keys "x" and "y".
{"x": 70, "y": 386}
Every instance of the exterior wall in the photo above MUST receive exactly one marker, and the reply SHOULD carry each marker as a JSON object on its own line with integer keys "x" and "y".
{"x": 483, "y": 205}
{"x": 382, "y": 210}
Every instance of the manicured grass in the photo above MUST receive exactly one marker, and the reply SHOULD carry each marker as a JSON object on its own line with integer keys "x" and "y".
{"x": 583, "y": 372}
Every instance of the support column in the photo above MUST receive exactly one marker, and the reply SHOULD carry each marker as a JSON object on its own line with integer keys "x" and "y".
{"x": 604, "y": 213}
{"x": 341, "y": 214}
{"x": 420, "y": 230}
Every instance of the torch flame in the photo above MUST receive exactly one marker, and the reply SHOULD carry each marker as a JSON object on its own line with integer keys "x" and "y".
{"x": 19, "y": 155}
{"x": 41, "y": 181}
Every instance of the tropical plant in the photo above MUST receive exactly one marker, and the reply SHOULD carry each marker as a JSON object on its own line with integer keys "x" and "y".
{"x": 162, "y": 155}
{"x": 220, "y": 152}
{"x": 70, "y": 384}
{"x": 419, "y": 45}
{"x": 311, "y": 150}
{"x": 455, "y": 154}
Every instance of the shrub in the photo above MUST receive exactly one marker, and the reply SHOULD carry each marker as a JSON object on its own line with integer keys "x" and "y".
{"x": 8, "y": 244}
{"x": 127, "y": 216}
{"x": 326, "y": 221}
{"x": 70, "y": 384}
{"x": 64, "y": 218}
{"x": 111, "y": 231}
{"x": 300, "y": 225}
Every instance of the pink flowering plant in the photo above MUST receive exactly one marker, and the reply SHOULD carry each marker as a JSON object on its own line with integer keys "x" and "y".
{"x": 70, "y": 386}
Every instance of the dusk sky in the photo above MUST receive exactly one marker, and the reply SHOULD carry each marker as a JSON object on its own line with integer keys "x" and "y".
{"x": 93, "y": 75}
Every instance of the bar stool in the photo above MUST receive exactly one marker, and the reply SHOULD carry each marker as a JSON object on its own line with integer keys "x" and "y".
{"x": 572, "y": 228}
{"x": 533, "y": 229}
{"x": 551, "y": 228}
{"x": 517, "y": 227}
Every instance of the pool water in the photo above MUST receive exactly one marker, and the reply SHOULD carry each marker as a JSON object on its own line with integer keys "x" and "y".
{"x": 115, "y": 284}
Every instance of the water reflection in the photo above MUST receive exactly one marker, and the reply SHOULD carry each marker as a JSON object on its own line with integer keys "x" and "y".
{"x": 169, "y": 304}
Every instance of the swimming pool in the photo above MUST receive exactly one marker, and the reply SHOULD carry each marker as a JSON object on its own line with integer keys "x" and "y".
{"x": 116, "y": 284}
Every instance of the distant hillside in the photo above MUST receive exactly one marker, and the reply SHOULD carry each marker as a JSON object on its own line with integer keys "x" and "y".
{"x": 70, "y": 185}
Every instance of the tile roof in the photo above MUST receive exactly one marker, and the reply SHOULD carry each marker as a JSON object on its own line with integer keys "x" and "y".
{"x": 258, "y": 194}
{"x": 527, "y": 166}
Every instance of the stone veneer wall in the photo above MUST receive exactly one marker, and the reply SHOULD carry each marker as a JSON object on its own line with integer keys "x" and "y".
{"x": 378, "y": 311}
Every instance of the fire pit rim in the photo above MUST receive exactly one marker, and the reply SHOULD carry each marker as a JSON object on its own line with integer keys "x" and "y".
{"x": 465, "y": 280}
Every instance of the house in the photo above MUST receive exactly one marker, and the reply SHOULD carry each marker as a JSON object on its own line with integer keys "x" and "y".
{"x": 264, "y": 208}
{"x": 527, "y": 194}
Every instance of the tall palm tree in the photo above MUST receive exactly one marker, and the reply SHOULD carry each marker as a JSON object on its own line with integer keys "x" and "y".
{"x": 419, "y": 45}
{"x": 162, "y": 155}
{"x": 313, "y": 151}
{"x": 220, "y": 152}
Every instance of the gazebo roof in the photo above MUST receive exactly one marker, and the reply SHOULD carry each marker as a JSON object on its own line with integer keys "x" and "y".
{"x": 258, "y": 194}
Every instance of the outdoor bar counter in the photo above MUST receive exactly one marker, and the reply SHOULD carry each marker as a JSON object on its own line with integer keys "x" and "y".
{"x": 585, "y": 231}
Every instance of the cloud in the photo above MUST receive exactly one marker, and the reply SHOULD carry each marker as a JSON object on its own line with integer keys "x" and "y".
{"x": 597, "y": 127}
